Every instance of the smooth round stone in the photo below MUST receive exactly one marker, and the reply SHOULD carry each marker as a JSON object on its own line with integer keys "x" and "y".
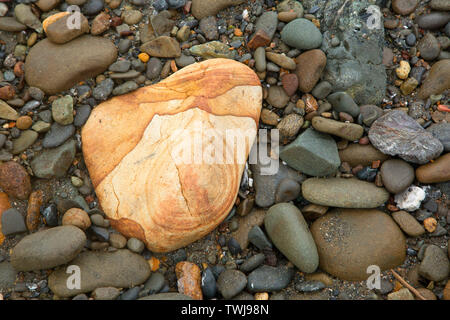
{"x": 26, "y": 139}
{"x": 301, "y": 34}
{"x": 370, "y": 113}
{"x": 343, "y": 102}
{"x": 345, "y": 130}
{"x": 253, "y": 262}
{"x": 7, "y": 275}
{"x": 119, "y": 269}
{"x": 349, "y": 241}
{"x": 408, "y": 223}
{"x": 404, "y": 7}
{"x": 344, "y": 193}
{"x": 154, "y": 67}
{"x": 364, "y": 155}
{"x": 154, "y": 284}
{"x": 55, "y": 68}
{"x": 117, "y": 240}
{"x": 429, "y": 47}
{"x": 258, "y": 238}
{"x": 411, "y": 40}
{"x": 260, "y": 59}
{"x": 209, "y": 287}
{"x": 267, "y": 278}
{"x": 10, "y": 24}
{"x": 12, "y": 222}
{"x": 231, "y": 282}
{"x": 184, "y": 61}
{"x": 48, "y": 249}
{"x": 437, "y": 81}
{"x": 310, "y": 66}
{"x": 440, "y": 5}
{"x": 322, "y": 90}
{"x": 397, "y": 175}
{"x": 435, "y": 172}
{"x": 83, "y": 113}
{"x": 57, "y": 135}
{"x": 287, "y": 190}
{"x": 120, "y": 66}
{"x": 435, "y": 265}
{"x": 135, "y": 245}
{"x": 92, "y": 7}
{"x": 433, "y": 20}
{"x": 277, "y": 97}
{"x": 289, "y": 232}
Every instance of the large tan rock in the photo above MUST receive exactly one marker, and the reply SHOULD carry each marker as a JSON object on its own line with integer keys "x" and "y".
{"x": 132, "y": 146}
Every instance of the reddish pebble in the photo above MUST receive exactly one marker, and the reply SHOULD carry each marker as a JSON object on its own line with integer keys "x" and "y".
{"x": 7, "y": 92}
{"x": 19, "y": 70}
{"x": 35, "y": 202}
{"x": 290, "y": 83}
{"x": 364, "y": 141}
{"x": 14, "y": 180}
{"x": 259, "y": 39}
{"x": 24, "y": 122}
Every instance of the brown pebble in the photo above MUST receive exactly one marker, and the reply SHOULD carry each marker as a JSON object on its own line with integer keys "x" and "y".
{"x": 311, "y": 104}
{"x": 24, "y": 122}
{"x": 259, "y": 39}
{"x": 76, "y": 217}
{"x": 35, "y": 201}
{"x": 189, "y": 279}
{"x": 19, "y": 69}
{"x": 357, "y": 169}
{"x": 7, "y": 92}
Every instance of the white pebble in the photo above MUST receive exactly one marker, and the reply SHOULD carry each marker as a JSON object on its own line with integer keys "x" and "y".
{"x": 410, "y": 199}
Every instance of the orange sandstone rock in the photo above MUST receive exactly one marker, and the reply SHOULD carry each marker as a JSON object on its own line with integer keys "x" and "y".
{"x": 144, "y": 186}
{"x": 35, "y": 201}
{"x": 189, "y": 279}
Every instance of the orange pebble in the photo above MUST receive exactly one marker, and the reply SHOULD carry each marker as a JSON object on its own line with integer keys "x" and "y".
{"x": 443, "y": 108}
{"x": 238, "y": 32}
{"x": 143, "y": 57}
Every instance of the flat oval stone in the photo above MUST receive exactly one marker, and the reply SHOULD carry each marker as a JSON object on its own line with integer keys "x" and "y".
{"x": 289, "y": 232}
{"x": 349, "y": 241}
{"x": 55, "y": 68}
{"x": 437, "y": 171}
{"x": 344, "y": 193}
{"x": 48, "y": 249}
{"x": 301, "y": 34}
{"x": 120, "y": 269}
{"x": 356, "y": 154}
{"x": 267, "y": 278}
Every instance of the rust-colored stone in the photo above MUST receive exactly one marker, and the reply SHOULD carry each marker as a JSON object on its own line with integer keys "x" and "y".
{"x": 259, "y": 39}
{"x": 7, "y": 92}
{"x": 189, "y": 279}
{"x": 4, "y": 205}
{"x": 14, "y": 180}
{"x": 35, "y": 201}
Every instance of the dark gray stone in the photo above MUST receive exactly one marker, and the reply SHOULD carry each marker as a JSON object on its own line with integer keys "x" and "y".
{"x": 397, "y": 134}
{"x": 441, "y": 131}
{"x": 231, "y": 282}
{"x": 12, "y": 222}
{"x": 267, "y": 278}
{"x": 258, "y": 238}
{"x": 54, "y": 163}
{"x": 57, "y": 135}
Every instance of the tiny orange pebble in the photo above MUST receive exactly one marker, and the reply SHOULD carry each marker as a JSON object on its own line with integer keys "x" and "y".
{"x": 143, "y": 57}
{"x": 443, "y": 108}
{"x": 238, "y": 32}
{"x": 204, "y": 265}
{"x": 173, "y": 66}
{"x": 153, "y": 263}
